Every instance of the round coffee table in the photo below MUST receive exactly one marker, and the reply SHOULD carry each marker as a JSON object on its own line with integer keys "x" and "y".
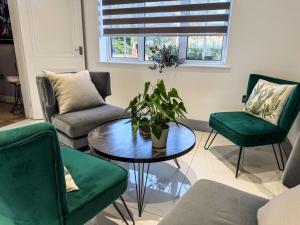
{"x": 115, "y": 141}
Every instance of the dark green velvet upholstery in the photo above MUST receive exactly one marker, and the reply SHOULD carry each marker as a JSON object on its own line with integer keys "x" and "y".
{"x": 100, "y": 183}
{"x": 32, "y": 188}
{"x": 248, "y": 131}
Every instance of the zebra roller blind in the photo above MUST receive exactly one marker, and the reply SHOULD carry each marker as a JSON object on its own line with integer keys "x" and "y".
{"x": 167, "y": 17}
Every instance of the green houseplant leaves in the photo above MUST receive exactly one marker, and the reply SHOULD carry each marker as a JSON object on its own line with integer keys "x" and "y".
{"x": 167, "y": 56}
{"x": 155, "y": 108}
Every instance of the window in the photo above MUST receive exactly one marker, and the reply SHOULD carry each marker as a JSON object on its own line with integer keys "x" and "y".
{"x": 196, "y": 29}
{"x": 124, "y": 47}
{"x": 160, "y": 42}
{"x": 207, "y": 48}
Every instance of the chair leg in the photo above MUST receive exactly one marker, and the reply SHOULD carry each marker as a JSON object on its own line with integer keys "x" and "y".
{"x": 127, "y": 209}
{"x": 281, "y": 156}
{"x": 120, "y": 213}
{"x": 206, "y": 147}
{"x": 281, "y": 168}
{"x": 239, "y": 162}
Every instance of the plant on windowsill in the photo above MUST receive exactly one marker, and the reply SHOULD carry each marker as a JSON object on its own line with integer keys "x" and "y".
{"x": 167, "y": 56}
{"x": 154, "y": 109}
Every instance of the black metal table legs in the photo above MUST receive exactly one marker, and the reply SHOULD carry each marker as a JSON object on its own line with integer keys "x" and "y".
{"x": 141, "y": 179}
{"x": 177, "y": 163}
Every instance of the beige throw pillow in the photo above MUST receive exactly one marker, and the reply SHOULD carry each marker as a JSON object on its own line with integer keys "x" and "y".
{"x": 70, "y": 184}
{"x": 281, "y": 210}
{"x": 267, "y": 100}
{"x": 74, "y": 91}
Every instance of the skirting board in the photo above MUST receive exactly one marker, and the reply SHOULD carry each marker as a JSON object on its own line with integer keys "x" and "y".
{"x": 5, "y": 98}
{"x": 204, "y": 126}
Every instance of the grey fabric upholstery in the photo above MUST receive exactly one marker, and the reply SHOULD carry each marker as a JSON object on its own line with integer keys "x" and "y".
{"x": 80, "y": 123}
{"x": 102, "y": 82}
{"x": 211, "y": 203}
{"x": 47, "y": 96}
{"x": 291, "y": 175}
{"x": 75, "y": 143}
{"x": 72, "y": 128}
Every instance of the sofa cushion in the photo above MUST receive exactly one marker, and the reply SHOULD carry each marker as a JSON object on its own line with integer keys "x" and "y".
{"x": 273, "y": 213}
{"x": 268, "y": 99}
{"x": 70, "y": 183}
{"x": 72, "y": 88}
{"x": 100, "y": 183}
{"x": 80, "y": 123}
{"x": 212, "y": 203}
{"x": 246, "y": 130}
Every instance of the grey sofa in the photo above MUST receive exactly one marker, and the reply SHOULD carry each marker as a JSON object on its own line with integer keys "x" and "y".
{"x": 73, "y": 128}
{"x": 212, "y": 203}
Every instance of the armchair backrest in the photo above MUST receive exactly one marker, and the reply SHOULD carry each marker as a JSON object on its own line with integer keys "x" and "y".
{"x": 292, "y": 106}
{"x": 47, "y": 95}
{"x": 32, "y": 184}
{"x": 291, "y": 174}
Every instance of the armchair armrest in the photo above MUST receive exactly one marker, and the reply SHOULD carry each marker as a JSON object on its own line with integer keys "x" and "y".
{"x": 47, "y": 97}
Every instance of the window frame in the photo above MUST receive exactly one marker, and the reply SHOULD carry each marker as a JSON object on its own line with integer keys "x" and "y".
{"x": 183, "y": 49}
{"x": 106, "y": 56}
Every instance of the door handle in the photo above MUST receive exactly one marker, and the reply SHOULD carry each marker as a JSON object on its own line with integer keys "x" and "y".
{"x": 79, "y": 50}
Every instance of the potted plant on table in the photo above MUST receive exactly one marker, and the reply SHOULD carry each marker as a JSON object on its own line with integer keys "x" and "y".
{"x": 154, "y": 110}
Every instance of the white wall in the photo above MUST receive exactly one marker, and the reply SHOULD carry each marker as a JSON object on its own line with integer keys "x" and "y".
{"x": 264, "y": 38}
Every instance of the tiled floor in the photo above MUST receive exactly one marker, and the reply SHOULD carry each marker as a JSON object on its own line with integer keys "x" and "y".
{"x": 167, "y": 184}
{"x": 6, "y": 117}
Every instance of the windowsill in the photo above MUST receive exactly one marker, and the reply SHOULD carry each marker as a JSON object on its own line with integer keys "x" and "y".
{"x": 185, "y": 65}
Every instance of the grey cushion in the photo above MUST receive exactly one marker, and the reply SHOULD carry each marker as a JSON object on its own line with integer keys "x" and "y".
{"x": 212, "y": 203}
{"x": 291, "y": 175}
{"x": 80, "y": 123}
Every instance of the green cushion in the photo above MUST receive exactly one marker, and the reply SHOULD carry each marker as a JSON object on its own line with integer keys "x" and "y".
{"x": 100, "y": 183}
{"x": 246, "y": 130}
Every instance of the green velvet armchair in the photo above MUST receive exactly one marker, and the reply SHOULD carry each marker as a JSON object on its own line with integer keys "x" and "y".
{"x": 33, "y": 189}
{"x": 246, "y": 130}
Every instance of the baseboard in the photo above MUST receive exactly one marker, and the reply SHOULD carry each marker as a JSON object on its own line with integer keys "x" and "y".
{"x": 5, "y": 98}
{"x": 203, "y": 126}
{"x": 197, "y": 125}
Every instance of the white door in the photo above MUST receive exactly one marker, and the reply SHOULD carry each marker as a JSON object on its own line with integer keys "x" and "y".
{"x": 48, "y": 34}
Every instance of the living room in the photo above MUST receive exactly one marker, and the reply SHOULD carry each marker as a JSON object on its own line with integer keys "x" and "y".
{"x": 154, "y": 112}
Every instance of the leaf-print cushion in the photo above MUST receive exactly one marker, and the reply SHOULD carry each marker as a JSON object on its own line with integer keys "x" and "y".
{"x": 267, "y": 100}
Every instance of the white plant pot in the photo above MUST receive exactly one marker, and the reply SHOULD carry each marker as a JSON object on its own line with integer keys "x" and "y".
{"x": 160, "y": 143}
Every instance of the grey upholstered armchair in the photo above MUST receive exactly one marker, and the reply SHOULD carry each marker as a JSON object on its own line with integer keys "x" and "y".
{"x": 212, "y": 203}
{"x": 73, "y": 127}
